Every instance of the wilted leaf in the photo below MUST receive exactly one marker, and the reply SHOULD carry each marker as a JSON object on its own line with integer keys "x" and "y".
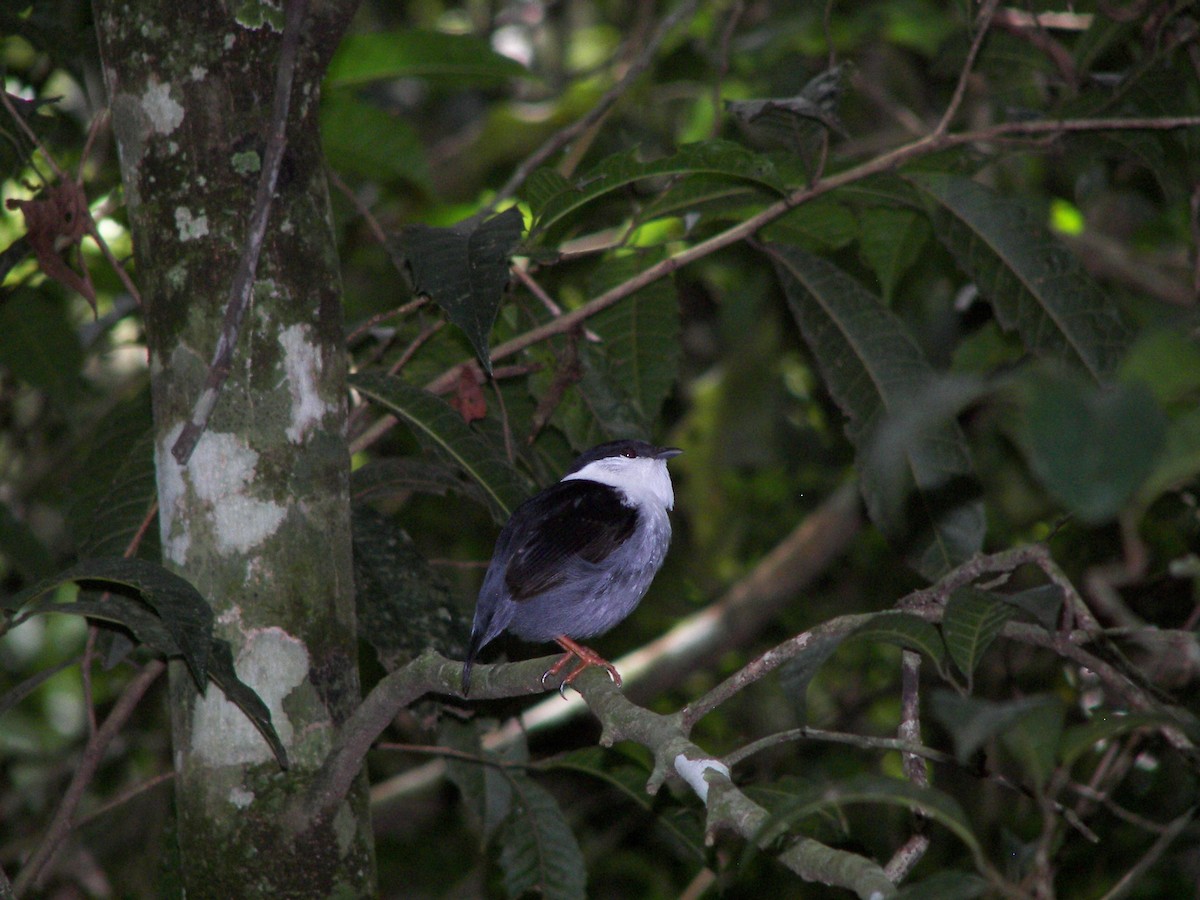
{"x": 464, "y": 270}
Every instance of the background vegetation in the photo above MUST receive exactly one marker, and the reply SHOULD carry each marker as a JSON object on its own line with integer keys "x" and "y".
{"x": 913, "y": 284}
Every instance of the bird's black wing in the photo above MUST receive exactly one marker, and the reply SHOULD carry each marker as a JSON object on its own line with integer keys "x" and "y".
{"x": 569, "y": 521}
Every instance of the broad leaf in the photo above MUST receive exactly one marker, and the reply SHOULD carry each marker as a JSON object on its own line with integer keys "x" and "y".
{"x": 973, "y": 722}
{"x": 486, "y": 789}
{"x": 1106, "y": 725}
{"x": 538, "y": 852}
{"x": 20, "y": 547}
{"x": 464, "y": 270}
{"x": 907, "y": 631}
{"x": 874, "y": 369}
{"x": 798, "y": 672}
{"x": 1034, "y": 739}
{"x": 364, "y": 139}
{"x": 460, "y": 59}
{"x": 891, "y": 242}
{"x": 438, "y": 427}
{"x": 970, "y": 623}
{"x": 1091, "y": 447}
{"x": 553, "y": 199}
{"x": 1032, "y": 281}
{"x": 399, "y": 476}
{"x": 945, "y": 886}
{"x": 38, "y": 345}
{"x": 169, "y": 601}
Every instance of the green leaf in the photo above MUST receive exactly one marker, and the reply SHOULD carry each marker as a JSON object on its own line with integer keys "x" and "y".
{"x": 438, "y": 427}
{"x": 241, "y": 695}
{"x": 554, "y": 199}
{"x": 641, "y": 339}
{"x": 819, "y": 225}
{"x": 1106, "y": 725}
{"x": 874, "y": 789}
{"x": 170, "y": 600}
{"x": 1043, "y": 602}
{"x": 891, "y": 242}
{"x": 970, "y": 623}
{"x": 538, "y": 852}
{"x": 389, "y": 479}
{"x": 1179, "y": 461}
{"x": 21, "y": 549}
{"x": 972, "y": 722}
{"x": 905, "y": 630}
{"x": 945, "y": 886}
{"x": 361, "y": 138}
{"x": 404, "y": 607}
{"x": 38, "y": 344}
{"x": 798, "y": 672}
{"x": 1034, "y": 738}
{"x": 1035, "y": 285}
{"x": 459, "y": 59}
{"x": 1091, "y": 447}
{"x": 464, "y": 270}
{"x": 874, "y": 369}
{"x": 486, "y": 789}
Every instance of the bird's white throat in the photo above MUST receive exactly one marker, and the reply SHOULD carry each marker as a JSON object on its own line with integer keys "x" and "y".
{"x": 642, "y": 480}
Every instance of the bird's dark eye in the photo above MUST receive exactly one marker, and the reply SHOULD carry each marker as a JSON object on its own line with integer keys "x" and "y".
{"x": 629, "y": 454}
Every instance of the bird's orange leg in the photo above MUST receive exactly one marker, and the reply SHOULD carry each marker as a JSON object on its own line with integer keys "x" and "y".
{"x": 586, "y": 656}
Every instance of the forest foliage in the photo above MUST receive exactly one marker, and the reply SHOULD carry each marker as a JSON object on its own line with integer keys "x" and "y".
{"x": 939, "y": 258}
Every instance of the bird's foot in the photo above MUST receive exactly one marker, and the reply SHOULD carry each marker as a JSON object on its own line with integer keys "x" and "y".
{"x": 586, "y": 657}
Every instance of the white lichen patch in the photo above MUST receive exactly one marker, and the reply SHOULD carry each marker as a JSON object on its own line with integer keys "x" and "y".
{"x": 162, "y": 110}
{"x": 240, "y": 797}
{"x": 302, "y": 363}
{"x": 219, "y": 472}
{"x": 272, "y": 663}
{"x": 188, "y": 225}
{"x": 172, "y": 524}
{"x": 198, "y": 73}
{"x": 345, "y": 827}
{"x": 692, "y": 771}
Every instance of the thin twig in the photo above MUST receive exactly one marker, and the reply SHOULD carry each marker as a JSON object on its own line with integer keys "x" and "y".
{"x": 1130, "y": 878}
{"x": 243, "y": 280}
{"x": 93, "y": 753}
{"x": 561, "y": 138}
{"x": 981, "y": 29}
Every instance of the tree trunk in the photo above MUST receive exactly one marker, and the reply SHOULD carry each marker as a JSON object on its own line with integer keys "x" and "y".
{"x": 258, "y": 519}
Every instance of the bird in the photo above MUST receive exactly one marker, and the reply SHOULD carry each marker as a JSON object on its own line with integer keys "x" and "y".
{"x": 575, "y": 559}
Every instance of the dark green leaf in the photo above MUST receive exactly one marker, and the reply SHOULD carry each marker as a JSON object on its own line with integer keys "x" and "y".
{"x": 874, "y": 369}
{"x": 486, "y": 790}
{"x": 1091, "y": 447}
{"x": 945, "y": 886}
{"x": 719, "y": 158}
{"x": 38, "y": 344}
{"x": 891, "y": 242}
{"x": 389, "y": 479}
{"x": 224, "y": 676}
{"x": 21, "y": 548}
{"x": 1106, "y": 725}
{"x": 819, "y": 225}
{"x": 1043, "y": 602}
{"x": 905, "y": 630}
{"x": 970, "y": 623}
{"x": 367, "y": 141}
{"x": 1033, "y": 739}
{"x": 403, "y": 606}
{"x": 538, "y": 852}
{"x": 171, "y": 600}
{"x": 435, "y": 423}
{"x": 461, "y": 59}
{"x": 1033, "y": 282}
{"x": 464, "y": 270}
{"x": 798, "y": 672}
{"x": 973, "y": 722}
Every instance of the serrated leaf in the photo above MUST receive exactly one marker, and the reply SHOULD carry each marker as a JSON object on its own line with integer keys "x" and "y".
{"x": 461, "y": 59}
{"x": 438, "y": 427}
{"x": 970, "y": 623}
{"x": 931, "y": 803}
{"x": 873, "y": 368}
{"x": 972, "y": 722}
{"x": 171, "y": 600}
{"x": 890, "y": 242}
{"x": 538, "y": 852}
{"x": 223, "y": 674}
{"x": 1092, "y": 448}
{"x": 1035, "y": 285}
{"x": 907, "y": 631}
{"x": 403, "y": 606}
{"x": 464, "y": 270}
{"x": 710, "y": 158}
{"x": 641, "y": 340}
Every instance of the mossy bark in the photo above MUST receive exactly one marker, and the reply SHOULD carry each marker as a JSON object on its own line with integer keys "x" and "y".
{"x": 258, "y": 519}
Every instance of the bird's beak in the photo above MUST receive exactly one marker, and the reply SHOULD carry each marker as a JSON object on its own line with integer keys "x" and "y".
{"x": 666, "y": 452}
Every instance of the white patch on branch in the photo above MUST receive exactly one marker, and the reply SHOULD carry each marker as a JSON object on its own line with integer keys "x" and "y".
{"x": 240, "y": 797}
{"x": 172, "y": 522}
{"x": 220, "y": 471}
{"x": 692, "y": 771}
{"x": 190, "y": 227}
{"x": 163, "y": 111}
{"x": 302, "y": 362}
{"x": 272, "y": 663}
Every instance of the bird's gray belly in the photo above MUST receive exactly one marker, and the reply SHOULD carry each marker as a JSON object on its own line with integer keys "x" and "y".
{"x": 594, "y": 597}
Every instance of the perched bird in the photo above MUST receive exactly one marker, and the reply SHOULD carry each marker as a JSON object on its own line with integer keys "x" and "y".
{"x": 574, "y": 560}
